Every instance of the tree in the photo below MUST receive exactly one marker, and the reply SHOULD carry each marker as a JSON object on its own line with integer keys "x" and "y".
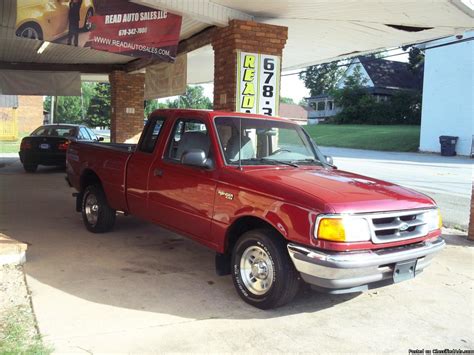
{"x": 322, "y": 78}
{"x": 193, "y": 98}
{"x": 68, "y": 109}
{"x": 416, "y": 60}
{"x": 98, "y": 113}
{"x": 286, "y": 100}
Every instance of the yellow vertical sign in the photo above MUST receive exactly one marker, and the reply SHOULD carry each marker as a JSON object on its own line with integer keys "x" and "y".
{"x": 258, "y": 80}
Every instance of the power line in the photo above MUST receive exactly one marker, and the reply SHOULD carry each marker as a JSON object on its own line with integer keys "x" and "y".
{"x": 388, "y": 56}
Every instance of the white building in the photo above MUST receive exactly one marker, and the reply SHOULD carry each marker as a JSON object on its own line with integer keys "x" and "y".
{"x": 448, "y": 93}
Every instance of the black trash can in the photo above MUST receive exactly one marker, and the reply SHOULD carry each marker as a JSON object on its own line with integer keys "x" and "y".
{"x": 448, "y": 145}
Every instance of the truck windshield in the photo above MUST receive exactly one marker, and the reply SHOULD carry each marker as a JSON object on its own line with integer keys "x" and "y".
{"x": 265, "y": 142}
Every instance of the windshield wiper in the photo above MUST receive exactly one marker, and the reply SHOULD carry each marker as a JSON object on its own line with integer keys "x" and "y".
{"x": 263, "y": 160}
{"x": 311, "y": 160}
{"x": 281, "y": 162}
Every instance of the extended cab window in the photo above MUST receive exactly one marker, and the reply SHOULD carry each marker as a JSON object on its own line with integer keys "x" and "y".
{"x": 188, "y": 134}
{"x": 151, "y": 135}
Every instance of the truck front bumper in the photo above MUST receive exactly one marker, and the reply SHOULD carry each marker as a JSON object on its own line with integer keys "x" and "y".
{"x": 342, "y": 272}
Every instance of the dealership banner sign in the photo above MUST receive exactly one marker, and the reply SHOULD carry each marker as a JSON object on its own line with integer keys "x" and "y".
{"x": 258, "y": 83}
{"x": 116, "y": 26}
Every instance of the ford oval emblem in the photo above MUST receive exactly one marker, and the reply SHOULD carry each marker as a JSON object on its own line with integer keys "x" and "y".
{"x": 404, "y": 227}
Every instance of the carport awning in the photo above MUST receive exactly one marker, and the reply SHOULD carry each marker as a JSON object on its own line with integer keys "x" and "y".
{"x": 319, "y": 30}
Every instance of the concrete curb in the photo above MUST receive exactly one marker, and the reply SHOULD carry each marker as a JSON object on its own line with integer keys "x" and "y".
{"x": 12, "y": 252}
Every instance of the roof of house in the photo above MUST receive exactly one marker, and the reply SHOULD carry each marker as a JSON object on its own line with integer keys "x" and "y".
{"x": 294, "y": 111}
{"x": 392, "y": 74}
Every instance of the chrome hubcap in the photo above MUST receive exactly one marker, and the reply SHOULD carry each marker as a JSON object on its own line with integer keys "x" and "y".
{"x": 29, "y": 33}
{"x": 91, "y": 208}
{"x": 256, "y": 270}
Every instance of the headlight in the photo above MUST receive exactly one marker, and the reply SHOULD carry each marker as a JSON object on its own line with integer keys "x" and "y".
{"x": 343, "y": 229}
{"x": 433, "y": 220}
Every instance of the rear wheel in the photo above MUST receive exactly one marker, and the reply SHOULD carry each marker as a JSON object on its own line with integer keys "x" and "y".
{"x": 30, "y": 168}
{"x": 262, "y": 271}
{"x": 30, "y": 30}
{"x": 97, "y": 215}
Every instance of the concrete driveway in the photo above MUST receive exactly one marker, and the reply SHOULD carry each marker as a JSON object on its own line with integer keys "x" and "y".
{"x": 448, "y": 180}
{"x": 144, "y": 289}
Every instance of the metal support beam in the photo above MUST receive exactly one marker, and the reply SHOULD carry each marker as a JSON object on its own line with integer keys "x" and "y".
{"x": 196, "y": 41}
{"x": 202, "y": 10}
{"x": 83, "y": 68}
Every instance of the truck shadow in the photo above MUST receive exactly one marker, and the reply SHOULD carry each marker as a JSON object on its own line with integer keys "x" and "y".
{"x": 138, "y": 266}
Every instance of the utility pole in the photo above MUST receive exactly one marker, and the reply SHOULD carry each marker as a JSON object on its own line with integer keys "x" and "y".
{"x": 51, "y": 114}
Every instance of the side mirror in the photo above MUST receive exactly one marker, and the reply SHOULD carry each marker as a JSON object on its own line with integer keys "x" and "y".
{"x": 329, "y": 160}
{"x": 100, "y": 139}
{"x": 196, "y": 157}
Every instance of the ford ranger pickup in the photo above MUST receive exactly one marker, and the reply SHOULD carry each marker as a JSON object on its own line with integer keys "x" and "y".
{"x": 258, "y": 191}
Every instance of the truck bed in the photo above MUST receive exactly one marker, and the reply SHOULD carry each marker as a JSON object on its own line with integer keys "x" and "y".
{"x": 108, "y": 161}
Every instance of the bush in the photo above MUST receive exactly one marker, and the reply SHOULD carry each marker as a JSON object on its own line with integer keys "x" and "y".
{"x": 359, "y": 107}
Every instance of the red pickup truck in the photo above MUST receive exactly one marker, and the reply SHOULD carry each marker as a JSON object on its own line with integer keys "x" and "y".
{"x": 257, "y": 190}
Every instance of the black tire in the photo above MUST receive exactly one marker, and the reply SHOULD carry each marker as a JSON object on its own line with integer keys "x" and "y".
{"x": 30, "y": 168}
{"x": 285, "y": 281}
{"x": 30, "y": 30}
{"x": 87, "y": 25}
{"x": 104, "y": 215}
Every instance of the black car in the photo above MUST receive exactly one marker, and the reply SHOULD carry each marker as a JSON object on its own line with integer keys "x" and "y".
{"x": 47, "y": 145}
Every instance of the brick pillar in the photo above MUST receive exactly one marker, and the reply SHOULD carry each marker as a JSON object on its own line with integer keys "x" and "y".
{"x": 127, "y": 95}
{"x": 247, "y": 36}
{"x": 470, "y": 233}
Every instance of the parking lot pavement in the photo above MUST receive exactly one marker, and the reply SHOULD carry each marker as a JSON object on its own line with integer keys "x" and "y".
{"x": 143, "y": 289}
{"x": 448, "y": 180}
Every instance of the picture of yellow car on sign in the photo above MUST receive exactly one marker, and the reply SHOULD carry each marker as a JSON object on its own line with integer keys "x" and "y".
{"x": 50, "y": 20}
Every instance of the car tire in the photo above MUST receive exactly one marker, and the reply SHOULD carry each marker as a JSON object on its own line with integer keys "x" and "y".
{"x": 97, "y": 215}
{"x": 262, "y": 272}
{"x": 30, "y": 30}
{"x": 30, "y": 168}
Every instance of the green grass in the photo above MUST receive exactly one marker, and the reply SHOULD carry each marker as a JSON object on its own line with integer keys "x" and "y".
{"x": 12, "y": 146}
{"x": 387, "y": 138}
{"x": 18, "y": 334}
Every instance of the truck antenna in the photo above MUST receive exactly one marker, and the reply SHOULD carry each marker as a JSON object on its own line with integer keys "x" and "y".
{"x": 240, "y": 142}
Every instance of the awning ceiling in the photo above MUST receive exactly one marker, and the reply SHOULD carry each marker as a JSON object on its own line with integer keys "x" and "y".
{"x": 318, "y": 30}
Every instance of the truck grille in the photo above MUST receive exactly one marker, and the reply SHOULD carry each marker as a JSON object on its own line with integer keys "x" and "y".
{"x": 396, "y": 226}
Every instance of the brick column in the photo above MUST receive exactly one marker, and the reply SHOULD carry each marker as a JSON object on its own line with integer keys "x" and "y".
{"x": 247, "y": 36}
{"x": 470, "y": 233}
{"x": 127, "y": 95}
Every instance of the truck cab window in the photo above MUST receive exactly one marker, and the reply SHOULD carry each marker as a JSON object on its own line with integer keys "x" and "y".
{"x": 188, "y": 134}
{"x": 151, "y": 135}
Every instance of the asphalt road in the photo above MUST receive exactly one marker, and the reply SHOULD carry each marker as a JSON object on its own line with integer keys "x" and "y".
{"x": 448, "y": 180}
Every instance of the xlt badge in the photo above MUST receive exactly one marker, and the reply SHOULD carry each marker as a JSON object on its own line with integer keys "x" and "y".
{"x": 227, "y": 195}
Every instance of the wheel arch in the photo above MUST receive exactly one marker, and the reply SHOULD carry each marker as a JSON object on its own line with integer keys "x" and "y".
{"x": 238, "y": 227}
{"x": 28, "y": 22}
{"x": 89, "y": 177}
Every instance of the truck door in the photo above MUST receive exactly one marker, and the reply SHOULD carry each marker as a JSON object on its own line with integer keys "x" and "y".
{"x": 138, "y": 167}
{"x": 181, "y": 195}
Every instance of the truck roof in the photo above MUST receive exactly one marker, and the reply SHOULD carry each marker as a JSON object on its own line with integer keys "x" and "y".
{"x": 213, "y": 114}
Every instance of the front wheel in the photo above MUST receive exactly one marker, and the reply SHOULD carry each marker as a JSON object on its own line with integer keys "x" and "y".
{"x": 97, "y": 215}
{"x": 262, "y": 271}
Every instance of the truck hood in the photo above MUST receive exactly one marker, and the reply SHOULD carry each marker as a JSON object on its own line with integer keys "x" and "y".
{"x": 342, "y": 191}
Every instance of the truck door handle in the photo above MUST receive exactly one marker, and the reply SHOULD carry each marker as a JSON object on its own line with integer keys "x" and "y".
{"x": 158, "y": 172}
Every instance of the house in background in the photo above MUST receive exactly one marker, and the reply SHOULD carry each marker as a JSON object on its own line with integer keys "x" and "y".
{"x": 382, "y": 79}
{"x": 19, "y": 115}
{"x": 296, "y": 113}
